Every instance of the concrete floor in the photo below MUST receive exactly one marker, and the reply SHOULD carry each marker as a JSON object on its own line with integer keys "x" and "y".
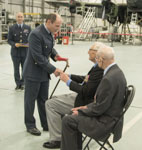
{"x": 13, "y": 134}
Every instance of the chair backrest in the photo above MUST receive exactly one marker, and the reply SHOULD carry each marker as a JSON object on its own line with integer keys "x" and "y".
{"x": 128, "y": 98}
{"x": 129, "y": 95}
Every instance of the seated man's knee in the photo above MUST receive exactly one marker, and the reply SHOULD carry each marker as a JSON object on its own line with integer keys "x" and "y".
{"x": 48, "y": 104}
{"x": 69, "y": 121}
{"x": 65, "y": 119}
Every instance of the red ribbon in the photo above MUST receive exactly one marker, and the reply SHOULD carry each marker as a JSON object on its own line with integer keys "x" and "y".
{"x": 61, "y": 58}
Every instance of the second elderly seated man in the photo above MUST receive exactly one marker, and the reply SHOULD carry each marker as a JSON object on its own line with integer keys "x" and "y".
{"x": 84, "y": 88}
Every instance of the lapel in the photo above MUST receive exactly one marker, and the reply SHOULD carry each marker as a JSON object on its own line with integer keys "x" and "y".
{"x": 16, "y": 26}
{"x": 91, "y": 70}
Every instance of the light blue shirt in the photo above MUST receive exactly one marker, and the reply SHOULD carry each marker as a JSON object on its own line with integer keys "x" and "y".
{"x": 20, "y": 25}
{"x": 95, "y": 64}
{"x": 105, "y": 71}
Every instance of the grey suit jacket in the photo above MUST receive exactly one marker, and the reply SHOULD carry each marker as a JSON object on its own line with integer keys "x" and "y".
{"x": 107, "y": 106}
{"x": 37, "y": 65}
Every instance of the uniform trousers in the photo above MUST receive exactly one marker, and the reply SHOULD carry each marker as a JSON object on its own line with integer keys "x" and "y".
{"x": 56, "y": 108}
{"x": 35, "y": 91}
{"x": 17, "y": 61}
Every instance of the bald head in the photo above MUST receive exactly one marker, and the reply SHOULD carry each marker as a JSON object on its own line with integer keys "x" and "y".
{"x": 105, "y": 56}
{"x": 19, "y": 17}
{"x": 106, "y": 52}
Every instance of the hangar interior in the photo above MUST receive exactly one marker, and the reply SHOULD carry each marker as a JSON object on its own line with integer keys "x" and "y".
{"x": 82, "y": 26}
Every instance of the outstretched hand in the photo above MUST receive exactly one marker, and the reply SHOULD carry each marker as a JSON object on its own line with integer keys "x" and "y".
{"x": 64, "y": 77}
{"x": 57, "y": 72}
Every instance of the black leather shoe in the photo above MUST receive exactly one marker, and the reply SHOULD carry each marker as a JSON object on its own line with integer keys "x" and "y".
{"x": 52, "y": 144}
{"x": 18, "y": 87}
{"x": 34, "y": 131}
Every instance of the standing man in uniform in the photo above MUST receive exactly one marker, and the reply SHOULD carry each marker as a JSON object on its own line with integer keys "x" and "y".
{"x": 37, "y": 70}
{"x": 18, "y": 39}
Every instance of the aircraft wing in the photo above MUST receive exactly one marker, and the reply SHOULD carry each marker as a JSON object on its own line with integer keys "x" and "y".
{"x": 58, "y": 3}
{"x": 66, "y": 3}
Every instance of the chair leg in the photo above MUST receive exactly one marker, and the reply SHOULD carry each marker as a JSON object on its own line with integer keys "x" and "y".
{"x": 87, "y": 145}
{"x": 110, "y": 145}
{"x": 84, "y": 138}
{"x": 102, "y": 146}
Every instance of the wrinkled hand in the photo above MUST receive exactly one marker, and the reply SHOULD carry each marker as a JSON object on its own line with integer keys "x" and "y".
{"x": 64, "y": 77}
{"x": 75, "y": 113}
{"x": 76, "y": 108}
{"x": 57, "y": 72}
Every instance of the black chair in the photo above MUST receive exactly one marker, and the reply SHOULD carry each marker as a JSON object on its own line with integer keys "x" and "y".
{"x": 129, "y": 95}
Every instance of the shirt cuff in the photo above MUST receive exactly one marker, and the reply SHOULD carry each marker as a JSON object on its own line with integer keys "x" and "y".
{"x": 68, "y": 82}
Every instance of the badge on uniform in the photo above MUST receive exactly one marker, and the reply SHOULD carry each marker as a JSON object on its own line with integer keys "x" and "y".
{"x": 26, "y": 30}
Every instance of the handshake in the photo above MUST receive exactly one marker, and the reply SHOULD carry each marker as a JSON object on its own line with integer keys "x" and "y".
{"x": 63, "y": 76}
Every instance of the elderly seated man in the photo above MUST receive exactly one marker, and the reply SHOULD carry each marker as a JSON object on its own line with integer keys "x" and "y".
{"x": 97, "y": 118}
{"x": 84, "y": 88}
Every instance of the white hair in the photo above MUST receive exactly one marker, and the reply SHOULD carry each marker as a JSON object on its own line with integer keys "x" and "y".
{"x": 106, "y": 52}
{"x": 97, "y": 45}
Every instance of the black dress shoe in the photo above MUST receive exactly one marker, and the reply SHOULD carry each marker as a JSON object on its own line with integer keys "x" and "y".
{"x": 52, "y": 144}
{"x": 34, "y": 131}
{"x": 18, "y": 87}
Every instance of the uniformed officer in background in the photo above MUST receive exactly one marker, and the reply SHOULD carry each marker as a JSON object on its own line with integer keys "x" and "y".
{"x": 18, "y": 39}
{"x": 37, "y": 70}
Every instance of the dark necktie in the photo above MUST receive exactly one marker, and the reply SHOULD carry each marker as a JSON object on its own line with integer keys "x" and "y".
{"x": 20, "y": 27}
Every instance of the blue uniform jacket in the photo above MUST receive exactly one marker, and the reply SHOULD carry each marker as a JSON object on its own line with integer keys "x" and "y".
{"x": 37, "y": 66}
{"x": 16, "y": 35}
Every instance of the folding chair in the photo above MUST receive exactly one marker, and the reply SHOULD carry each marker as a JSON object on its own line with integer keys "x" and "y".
{"x": 129, "y": 95}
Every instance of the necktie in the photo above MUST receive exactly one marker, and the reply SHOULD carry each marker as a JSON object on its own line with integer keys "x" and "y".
{"x": 20, "y": 27}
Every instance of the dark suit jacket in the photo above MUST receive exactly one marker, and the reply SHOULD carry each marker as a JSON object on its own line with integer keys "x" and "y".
{"x": 37, "y": 66}
{"x": 86, "y": 91}
{"x": 15, "y": 35}
{"x": 99, "y": 118}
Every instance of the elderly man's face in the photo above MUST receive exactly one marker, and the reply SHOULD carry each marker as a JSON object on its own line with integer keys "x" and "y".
{"x": 92, "y": 54}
